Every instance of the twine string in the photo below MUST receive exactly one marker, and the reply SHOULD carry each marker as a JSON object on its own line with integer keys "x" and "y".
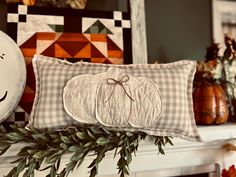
{"x": 111, "y": 81}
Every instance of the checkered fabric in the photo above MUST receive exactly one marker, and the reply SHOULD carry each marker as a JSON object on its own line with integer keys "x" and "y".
{"x": 173, "y": 80}
{"x": 18, "y": 117}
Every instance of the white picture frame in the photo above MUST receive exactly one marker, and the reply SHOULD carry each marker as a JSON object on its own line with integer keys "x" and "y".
{"x": 219, "y": 8}
{"x": 139, "y": 39}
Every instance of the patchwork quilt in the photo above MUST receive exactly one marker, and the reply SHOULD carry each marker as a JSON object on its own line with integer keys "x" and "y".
{"x": 69, "y": 34}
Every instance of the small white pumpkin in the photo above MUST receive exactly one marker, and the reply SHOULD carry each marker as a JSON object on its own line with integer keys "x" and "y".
{"x": 79, "y": 97}
{"x": 127, "y": 101}
{"x": 146, "y": 110}
{"x": 113, "y": 102}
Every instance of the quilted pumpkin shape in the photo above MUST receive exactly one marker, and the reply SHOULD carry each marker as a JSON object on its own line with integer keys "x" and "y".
{"x": 147, "y": 107}
{"x": 79, "y": 97}
{"x": 113, "y": 99}
{"x": 124, "y": 100}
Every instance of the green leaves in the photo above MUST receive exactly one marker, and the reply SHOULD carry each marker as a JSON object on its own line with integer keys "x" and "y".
{"x": 21, "y": 166}
{"x": 74, "y": 148}
{"x": 12, "y": 172}
{"x": 24, "y": 131}
{"x": 102, "y": 141}
{"x": 167, "y": 140}
{"x": 161, "y": 141}
{"x": 124, "y": 161}
{"x": 48, "y": 147}
{"x": 54, "y": 156}
{"x": 14, "y": 136}
{"x": 70, "y": 166}
{"x": 81, "y": 135}
{"x": 2, "y": 129}
{"x": 4, "y": 147}
{"x": 53, "y": 171}
{"x": 66, "y": 139}
{"x": 39, "y": 137}
{"x": 41, "y": 154}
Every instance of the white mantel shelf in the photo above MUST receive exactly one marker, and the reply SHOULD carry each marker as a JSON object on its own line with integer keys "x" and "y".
{"x": 218, "y": 132}
{"x": 184, "y": 157}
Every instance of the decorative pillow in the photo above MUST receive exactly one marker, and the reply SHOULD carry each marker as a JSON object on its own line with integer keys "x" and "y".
{"x": 173, "y": 80}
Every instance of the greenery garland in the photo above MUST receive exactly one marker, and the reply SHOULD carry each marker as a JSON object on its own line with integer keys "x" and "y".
{"x": 48, "y": 147}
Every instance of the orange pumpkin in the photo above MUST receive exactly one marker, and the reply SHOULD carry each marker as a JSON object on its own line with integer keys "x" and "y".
{"x": 29, "y": 2}
{"x": 209, "y": 103}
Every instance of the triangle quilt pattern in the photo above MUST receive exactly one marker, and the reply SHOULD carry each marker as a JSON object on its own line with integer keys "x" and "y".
{"x": 98, "y": 28}
{"x": 73, "y": 45}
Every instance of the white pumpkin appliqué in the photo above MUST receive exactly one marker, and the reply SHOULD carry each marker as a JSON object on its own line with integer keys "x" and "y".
{"x": 146, "y": 111}
{"x": 113, "y": 99}
{"x": 79, "y": 97}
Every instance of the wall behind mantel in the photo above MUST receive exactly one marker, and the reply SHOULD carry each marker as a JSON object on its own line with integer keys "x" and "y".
{"x": 178, "y": 29}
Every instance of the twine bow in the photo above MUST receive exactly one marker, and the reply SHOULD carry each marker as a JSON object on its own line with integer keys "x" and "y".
{"x": 120, "y": 82}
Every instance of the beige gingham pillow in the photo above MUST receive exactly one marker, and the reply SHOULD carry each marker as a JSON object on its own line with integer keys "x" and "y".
{"x": 174, "y": 81}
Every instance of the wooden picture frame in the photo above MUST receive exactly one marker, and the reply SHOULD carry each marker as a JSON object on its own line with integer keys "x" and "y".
{"x": 224, "y": 13}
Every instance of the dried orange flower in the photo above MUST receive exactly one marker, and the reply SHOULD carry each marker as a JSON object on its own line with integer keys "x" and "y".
{"x": 230, "y": 173}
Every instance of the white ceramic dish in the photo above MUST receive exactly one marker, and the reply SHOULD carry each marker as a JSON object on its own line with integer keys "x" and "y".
{"x": 12, "y": 75}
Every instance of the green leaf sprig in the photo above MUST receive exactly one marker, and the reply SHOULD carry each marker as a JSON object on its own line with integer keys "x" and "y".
{"x": 47, "y": 148}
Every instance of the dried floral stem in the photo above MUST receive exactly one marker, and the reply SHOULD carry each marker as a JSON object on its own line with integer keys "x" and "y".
{"x": 229, "y": 147}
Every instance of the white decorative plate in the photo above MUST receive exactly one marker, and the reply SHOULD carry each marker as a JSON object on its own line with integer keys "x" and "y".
{"x": 12, "y": 75}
